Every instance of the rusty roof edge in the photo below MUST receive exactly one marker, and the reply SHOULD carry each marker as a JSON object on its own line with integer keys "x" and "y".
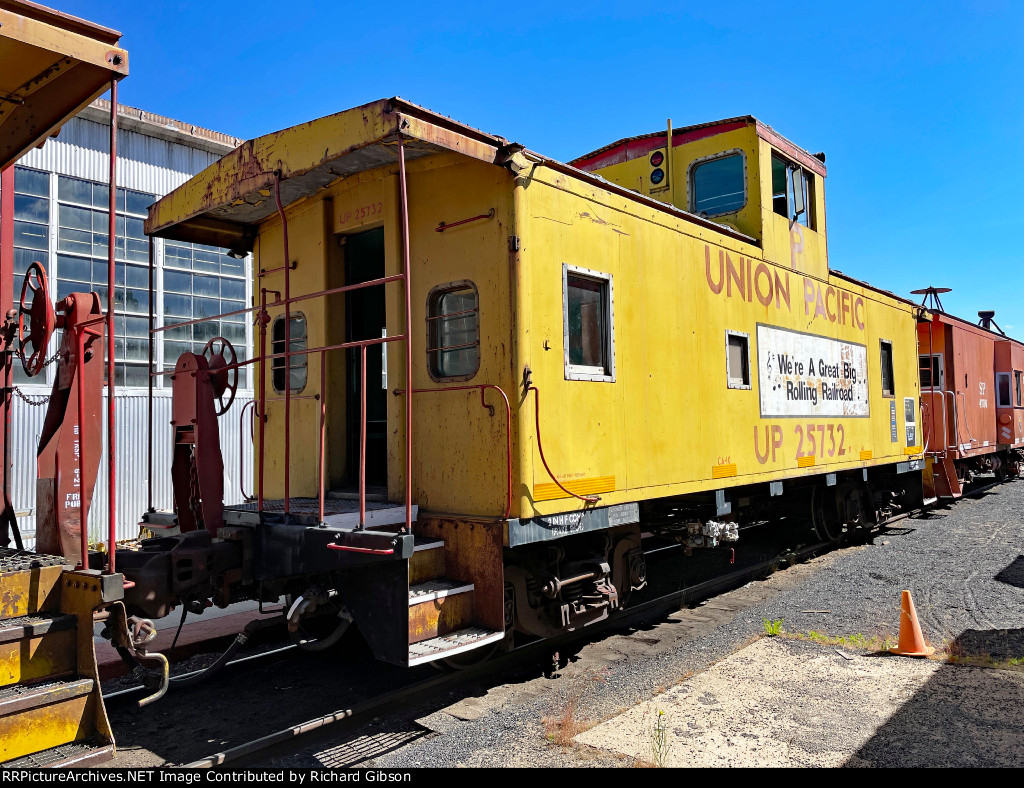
{"x": 400, "y": 105}
{"x": 1001, "y": 337}
{"x": 809, "y": 160}
{"x": 241, "y": 159}
{"x": 54, "y": 18}
{"x": 764, "y": 131}
{"x": 661, "y": 133}
{"x": 397, "y": 108}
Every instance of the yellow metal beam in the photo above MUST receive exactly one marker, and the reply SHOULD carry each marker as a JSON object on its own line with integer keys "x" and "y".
{"x": 51, "y": 66}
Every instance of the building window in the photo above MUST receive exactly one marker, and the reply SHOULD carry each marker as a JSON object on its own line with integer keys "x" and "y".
{"x": 299, "y": 364}
{"x": 792, "y": 192}
{"x": 453, "y": 331}
{"x": 202, "y": 282}
{"x": 588, "y": 324}
{"x": 82, "y": 225}
{"x": 737, "y": 359}
{"x": 888, "y": 387}
{"x": 1003, "y": 390}
{"x": 718, "y": 184}
{"x": 62, "y": 223}
{"x": 31, "y": 236}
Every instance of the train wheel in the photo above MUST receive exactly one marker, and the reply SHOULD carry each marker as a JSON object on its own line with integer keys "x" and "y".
{"x": 828, "y": 525}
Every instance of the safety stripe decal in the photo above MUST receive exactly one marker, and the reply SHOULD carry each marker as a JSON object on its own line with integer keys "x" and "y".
{"x": 551, "y": 491}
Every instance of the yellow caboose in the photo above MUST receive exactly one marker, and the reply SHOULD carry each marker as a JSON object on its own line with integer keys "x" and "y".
{"x": 483, "y": 373}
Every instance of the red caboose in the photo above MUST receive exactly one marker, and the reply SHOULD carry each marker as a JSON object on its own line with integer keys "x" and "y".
{"x": 1010, "y": 400}
{"x": 959, "y": 402}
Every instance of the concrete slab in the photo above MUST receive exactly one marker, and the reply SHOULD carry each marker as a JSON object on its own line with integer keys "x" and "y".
{"x": 780, "y": 702}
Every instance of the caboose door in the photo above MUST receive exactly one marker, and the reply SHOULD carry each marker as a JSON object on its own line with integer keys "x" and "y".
{"x": 365, "y": 319}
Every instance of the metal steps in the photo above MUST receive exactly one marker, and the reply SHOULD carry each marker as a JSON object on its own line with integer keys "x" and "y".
{"x": 44, "y": 715}
{"x": 74, "y": 754}
{"x": 51, "y": 707}
{"x": 442, "y": 620}
{"x": 451, "y": 644}
{"x": 433, "y": 590}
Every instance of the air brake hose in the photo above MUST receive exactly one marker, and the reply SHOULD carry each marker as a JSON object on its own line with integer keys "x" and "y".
{"x": 240, "y": 640}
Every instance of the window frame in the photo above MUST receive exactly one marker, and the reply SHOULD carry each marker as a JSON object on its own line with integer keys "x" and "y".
{"x": 579, "y": 371}
{"x": 1018, "y": 381}
{"x": 892, "y": 368}
{"x": 434, "y": 296}
{"x": 936, "y": 367}
{"x": 737, "y": 383}
{"x": 809, "y": 205}
{"x": 287, "y": 369}
{"x": 691, "y": 186}
{"x": 1008, "y": 403}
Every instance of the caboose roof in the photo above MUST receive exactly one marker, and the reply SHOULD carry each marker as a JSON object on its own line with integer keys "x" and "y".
{"x": 225, "y": 203}
{"x": 51, "y": 66}
{"x": 641, "y": 145}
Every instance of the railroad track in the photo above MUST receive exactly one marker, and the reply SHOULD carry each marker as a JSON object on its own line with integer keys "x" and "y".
{"x": 630, "y": 617}
{"x": 633, "y": 616}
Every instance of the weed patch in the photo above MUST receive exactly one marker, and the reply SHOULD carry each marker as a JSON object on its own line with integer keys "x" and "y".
{"x": 566, "y": 722}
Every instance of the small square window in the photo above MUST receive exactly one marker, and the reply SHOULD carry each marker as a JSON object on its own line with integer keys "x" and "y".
{"x": 737, "y": 359}
{"x": 888, "y": 386}
{"x": 588, "y": 329}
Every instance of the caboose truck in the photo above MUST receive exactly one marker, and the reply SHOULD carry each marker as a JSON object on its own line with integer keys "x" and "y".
{"x": 482, "y": 376}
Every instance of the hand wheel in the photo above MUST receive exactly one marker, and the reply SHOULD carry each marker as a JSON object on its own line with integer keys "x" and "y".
{"x": 41, "y": 319}
{"x": 220, "y": 354}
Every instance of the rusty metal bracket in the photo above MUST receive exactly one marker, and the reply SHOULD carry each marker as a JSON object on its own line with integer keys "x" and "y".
{"x": 443, "y": 226}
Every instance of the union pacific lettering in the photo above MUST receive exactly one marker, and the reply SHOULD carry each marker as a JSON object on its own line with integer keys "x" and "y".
{"x": 749, "y": 280}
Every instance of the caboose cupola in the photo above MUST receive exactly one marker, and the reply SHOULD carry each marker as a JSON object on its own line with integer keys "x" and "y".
{"x": 737, "y": 172}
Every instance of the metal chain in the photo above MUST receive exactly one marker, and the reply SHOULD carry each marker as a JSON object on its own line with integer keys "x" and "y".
{"x": 43, "y": 399}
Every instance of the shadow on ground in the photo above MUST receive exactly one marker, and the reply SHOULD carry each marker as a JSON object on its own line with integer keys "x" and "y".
{"x": 1013, "y": 574}
{"x": 962, "y": 716}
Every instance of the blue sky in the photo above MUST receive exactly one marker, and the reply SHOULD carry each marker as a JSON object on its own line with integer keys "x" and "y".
{"x": 919, "y": 110}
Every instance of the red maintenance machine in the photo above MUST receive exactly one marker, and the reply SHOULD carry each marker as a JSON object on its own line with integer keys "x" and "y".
{"x": 971, "y": 385}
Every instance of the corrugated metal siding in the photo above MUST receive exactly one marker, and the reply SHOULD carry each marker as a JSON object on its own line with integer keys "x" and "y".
{"x": 146, "y": 164}
{"x": 132, "y": 483}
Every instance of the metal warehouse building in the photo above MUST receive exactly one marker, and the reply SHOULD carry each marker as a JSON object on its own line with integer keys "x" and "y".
{"x": 60, "y": 220}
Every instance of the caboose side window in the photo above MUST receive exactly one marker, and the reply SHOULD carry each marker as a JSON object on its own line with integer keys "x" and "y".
{"x": 453, "y": 331}
{"x": 737, "y": 359}
{"x": 888, "y": 386}
{"x": 299, "y": 364}
{"x": 1003, "y": 390}
{"x": 718, "y": 184}
{"x": 1019, "y": 385}
{"x": 587, "y": 307}
{"x": 792, "y": 192}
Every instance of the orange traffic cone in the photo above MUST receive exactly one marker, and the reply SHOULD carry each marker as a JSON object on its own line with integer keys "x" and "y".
{"x": 911, "y": 640}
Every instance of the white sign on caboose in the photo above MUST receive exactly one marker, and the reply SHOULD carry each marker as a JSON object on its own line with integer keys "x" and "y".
{"x": 810, "y": 375}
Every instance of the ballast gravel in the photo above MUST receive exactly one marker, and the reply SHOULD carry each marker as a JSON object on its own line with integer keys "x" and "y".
{"x": 964, "y": 568}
